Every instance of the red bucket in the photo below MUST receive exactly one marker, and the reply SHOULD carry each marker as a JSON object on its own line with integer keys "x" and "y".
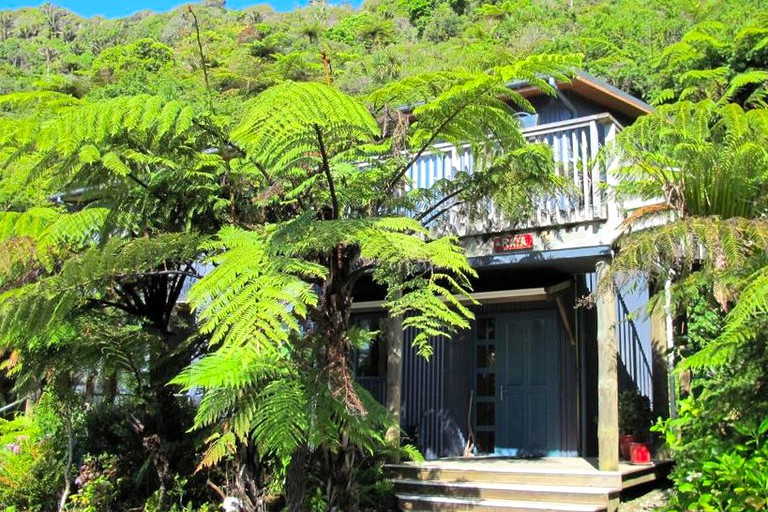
{"x": 640, "y": 453}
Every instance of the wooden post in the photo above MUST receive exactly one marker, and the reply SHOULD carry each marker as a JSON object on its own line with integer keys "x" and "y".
{"x": 607, "y": 374}
{"x": 394, "y": 333}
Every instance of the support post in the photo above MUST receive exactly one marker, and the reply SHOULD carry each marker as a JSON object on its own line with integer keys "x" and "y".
{"x": 607, "y": 374}
{"x": 394, "y": 332}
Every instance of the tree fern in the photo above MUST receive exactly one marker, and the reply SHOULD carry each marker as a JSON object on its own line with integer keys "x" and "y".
{"x": 30, "y": 309}
{"x": 743, "y": 324}
{"x": 294, "y": 184}
{"x": 705, "y": 165}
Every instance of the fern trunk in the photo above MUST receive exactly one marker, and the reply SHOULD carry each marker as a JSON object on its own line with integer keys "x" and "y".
{"x": 296, "y": 479}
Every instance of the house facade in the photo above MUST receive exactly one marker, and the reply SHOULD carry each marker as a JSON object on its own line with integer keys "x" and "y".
{"x": 536, "y": 375}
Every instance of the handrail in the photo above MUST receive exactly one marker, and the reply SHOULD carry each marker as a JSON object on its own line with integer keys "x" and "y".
{"x": 568, "y": 124}
{"x": 10, "y": 406}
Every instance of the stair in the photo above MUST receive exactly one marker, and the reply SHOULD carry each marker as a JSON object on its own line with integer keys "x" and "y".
{"x": 524, "y": 487}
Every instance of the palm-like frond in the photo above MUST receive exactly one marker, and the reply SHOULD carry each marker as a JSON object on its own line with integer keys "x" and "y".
{"x": 34, "y": 241}
{"x": 743, "y": 323}
{"x": 92, "y": 150}
{"x": 91, "y": 275}
{"x": 693, "y": 243}
{"x": 253, "y": 298}
{"x": 702, "y": 159}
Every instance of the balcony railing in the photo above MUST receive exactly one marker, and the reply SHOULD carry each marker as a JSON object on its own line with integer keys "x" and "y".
{"x": 575, "y": 144}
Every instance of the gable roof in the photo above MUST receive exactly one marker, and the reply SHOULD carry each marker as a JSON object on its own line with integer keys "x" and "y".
{"x": 597, "y": 90}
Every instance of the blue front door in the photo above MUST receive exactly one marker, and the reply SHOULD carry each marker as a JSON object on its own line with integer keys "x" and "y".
{"x": 526, "y": 395}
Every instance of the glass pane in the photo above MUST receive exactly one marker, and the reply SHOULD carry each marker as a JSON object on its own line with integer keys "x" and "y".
{"x": 486, "y": 356}
{"x": 486, "y": 384}
{"x": 486, "y": 414}
{"x": 486, "y": 329}
{"x": 371, "y": 361}
{"x": 485, "y": 442}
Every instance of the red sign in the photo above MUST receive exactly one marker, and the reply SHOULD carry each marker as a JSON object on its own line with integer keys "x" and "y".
{"x": 513, "y": 242}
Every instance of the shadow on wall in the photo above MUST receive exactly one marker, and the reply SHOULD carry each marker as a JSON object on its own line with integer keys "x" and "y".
{"x": 452, "y": 441}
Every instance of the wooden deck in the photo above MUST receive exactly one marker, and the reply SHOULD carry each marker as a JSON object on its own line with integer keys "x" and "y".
{"x": 503, "y": 483}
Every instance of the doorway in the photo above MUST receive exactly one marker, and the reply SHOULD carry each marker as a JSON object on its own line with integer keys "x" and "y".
{"x": 518, "y": 368}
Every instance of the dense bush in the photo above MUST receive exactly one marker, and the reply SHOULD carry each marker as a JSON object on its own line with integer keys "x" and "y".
{"x": 33, "y": 456}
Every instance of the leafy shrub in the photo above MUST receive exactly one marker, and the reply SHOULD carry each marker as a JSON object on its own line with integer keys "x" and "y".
{"x": 634, "y": 413}
{"x": 32, "y": 460}
{"x": 731, "y": 475}
{"x": 96, "y": 484}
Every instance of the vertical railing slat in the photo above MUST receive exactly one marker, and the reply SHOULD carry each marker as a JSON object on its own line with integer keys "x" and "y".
{"x": 586, "y": 210}
{"x": 594, "y": 143}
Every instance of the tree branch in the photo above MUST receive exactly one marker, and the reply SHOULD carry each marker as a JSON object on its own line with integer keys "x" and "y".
{"x": 441, "y": 202}
{"x": 400, "y": 173}
{"x": 202, "y": 56}
{"x": 440, "y": 212}
{"x": 327, "y": 170}
{"x": 160, "y": 273}
{"x": 129, "y": 295}
{"x": 117, "y": 305}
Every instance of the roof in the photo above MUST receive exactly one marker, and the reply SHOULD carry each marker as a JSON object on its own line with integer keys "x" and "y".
{"x": 597, "y": 90}
{"x": 584, "y": 85}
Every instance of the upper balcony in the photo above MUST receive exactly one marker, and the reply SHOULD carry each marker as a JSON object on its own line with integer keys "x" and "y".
{"x": 575, "y": 144}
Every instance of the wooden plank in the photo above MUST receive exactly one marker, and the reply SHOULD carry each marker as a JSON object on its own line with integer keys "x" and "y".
{"x": 495, "y": 297}
{"x": 586, "y": 188}
{"x": 594, "y": 143}
{"x": 607, "y": 374}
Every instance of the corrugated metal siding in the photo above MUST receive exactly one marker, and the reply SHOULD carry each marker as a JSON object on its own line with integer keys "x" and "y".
{"x": 376, "y": 386}
{"x": 436, "y": 392}
{"x": 423, "y": 391}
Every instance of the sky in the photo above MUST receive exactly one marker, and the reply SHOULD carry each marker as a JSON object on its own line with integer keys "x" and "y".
{"x": 119, "y": 8}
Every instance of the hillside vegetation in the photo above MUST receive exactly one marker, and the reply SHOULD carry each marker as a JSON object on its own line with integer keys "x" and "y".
{"x": 246, "y": 51}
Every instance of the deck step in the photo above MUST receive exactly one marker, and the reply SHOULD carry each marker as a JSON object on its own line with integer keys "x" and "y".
{"x": 521, "y": 476}
{"x": 551, "y": 484}
{"x": 417, "y": 502}
{"x": 504, "y": 491}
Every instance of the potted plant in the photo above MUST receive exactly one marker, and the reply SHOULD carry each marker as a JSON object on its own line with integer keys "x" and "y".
{"x": 635, "y": 420}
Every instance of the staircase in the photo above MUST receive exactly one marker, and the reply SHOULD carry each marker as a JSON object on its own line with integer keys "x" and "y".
{"x": 561, "y": 485}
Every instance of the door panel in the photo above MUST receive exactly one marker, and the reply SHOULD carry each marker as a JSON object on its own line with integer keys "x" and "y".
{"x": 528, "y": 382}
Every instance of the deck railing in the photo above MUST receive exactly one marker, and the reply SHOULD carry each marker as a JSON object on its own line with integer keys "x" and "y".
{"x": 632, "y": 354}
{"x": 575, "y": 144}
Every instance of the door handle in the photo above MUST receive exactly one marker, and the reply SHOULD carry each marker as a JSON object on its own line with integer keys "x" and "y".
{"x": 501, "y": 393}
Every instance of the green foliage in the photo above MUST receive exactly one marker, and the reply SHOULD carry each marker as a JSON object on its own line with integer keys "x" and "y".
{"x": 719, "y": 61}
{"x": 89, "y": 288}
{"x": 32, "y": 455}
{"x": 253, "y": 297}
{"x": 704, "y": 159}
{"x": 277, "y": 304}
{"x": 443, "y": 24}
{"x": 96, "y": 484}
{"x": 715, "y": 472}
{"x": 707, "y": 164}
{"x": 635, "y": 415}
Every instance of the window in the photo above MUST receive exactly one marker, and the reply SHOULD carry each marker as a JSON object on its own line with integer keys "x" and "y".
{"x": 371, "y": 361}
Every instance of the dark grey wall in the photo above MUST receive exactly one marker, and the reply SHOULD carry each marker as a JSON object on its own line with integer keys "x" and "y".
{"x": 551, "y": 109}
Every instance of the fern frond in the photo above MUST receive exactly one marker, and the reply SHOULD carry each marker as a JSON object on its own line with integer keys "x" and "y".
{"x": 31, "y": 309}
{"x": 252, "y": 298}
{"x": 687, "y": 243}
{"x": 26, "y": 101}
